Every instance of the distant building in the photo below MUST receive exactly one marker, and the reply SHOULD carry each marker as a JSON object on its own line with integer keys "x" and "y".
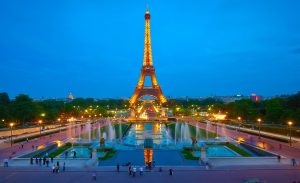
{"x": 229, "y": 99}
{"x": 70, "y": 97}
{"x": 255, "y": 97}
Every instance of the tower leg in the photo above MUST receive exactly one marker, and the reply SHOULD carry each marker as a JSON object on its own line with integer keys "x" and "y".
{"x": 132, "y": 113}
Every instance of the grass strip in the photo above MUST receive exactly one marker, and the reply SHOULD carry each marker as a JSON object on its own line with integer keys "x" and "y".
{"x": 60, "y": 150}
{"x": 238, "y": 150}
{"x": 110, "y": 152}
{"x": 188, "y": 154}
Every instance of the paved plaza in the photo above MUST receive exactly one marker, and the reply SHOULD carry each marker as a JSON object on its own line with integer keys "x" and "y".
{"x": 180, "y": 175}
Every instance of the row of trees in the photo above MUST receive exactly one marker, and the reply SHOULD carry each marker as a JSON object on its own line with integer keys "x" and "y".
{"x": 24, "y": 110}
{"x": 275, "y": 110}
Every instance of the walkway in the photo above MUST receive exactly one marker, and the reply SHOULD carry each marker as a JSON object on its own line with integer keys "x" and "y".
{"x": 11, "y": 175}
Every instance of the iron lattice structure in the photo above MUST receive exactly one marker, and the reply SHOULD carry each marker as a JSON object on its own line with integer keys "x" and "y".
{"x": 148, "y": 70}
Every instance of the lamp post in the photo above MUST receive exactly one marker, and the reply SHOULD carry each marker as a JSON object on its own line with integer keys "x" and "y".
{"x": 40, "y": 123}
{"x": 240, "y": 120}
{"x": 11, "y": 130}
{"x": 290, "y": 123}
{"x": 259, "y": 121}
{"x": 58, "y": 119}
{"x": 216, "y": 129}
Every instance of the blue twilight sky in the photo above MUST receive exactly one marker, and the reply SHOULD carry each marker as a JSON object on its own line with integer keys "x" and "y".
{"x": 200, "y": 47}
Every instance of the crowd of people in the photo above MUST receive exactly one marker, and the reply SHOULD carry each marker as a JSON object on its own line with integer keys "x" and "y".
{"x": 45, "y": 161}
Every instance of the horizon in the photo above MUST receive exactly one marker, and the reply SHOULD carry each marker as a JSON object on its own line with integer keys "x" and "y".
{"x": 168, "y": 97}
{"x": 199, "y": 48}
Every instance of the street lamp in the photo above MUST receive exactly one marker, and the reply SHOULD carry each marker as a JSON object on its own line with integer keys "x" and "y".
{"x": 11, "y": 127}
{"x": 259, "y": 121}
{"x": 40, "y": 123}
{"x": 58, "y": 119}
{"x": 290, "y": 123}
{"x": 240, "y": 120}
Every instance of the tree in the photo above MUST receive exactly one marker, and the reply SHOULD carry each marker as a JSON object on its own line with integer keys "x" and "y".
{"x": 24, "y": 109}
{"x": 274, "y": 109}
{"x": 4, "y": 109}
{"x": 247, "y": 109}
{"x": 293, "y": 102}
{"x": 52, "y": 109}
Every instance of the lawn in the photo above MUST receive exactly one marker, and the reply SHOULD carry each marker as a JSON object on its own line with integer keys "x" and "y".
{"x": 238, "y": 150}
{"x": 110, "y": 152}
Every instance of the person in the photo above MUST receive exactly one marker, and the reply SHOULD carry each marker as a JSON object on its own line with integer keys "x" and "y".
{"x": 74, "y": 154}
{"x": 134, "y": 171}
{"x": 149, "y": 165}
{"x": 31, "y": 160}
{"x": 170, "y": 171}
{"x": 64, "y": 167}
{"x": 294, "y": 162}
{"x": 5, "y": 161}
{"x": 47, "y": 162}
{"x": 129, "y": 169}
{"x": 94, "y": 176}
{"x": 141, "y": 170}
{"x": 57, "y": 163}
{"x": 66, "y": 154}
{"x": 53, "y": 168}
{"x": 51, "y": 159}
{"x": 44, "y": 160}
{"x": 278, "y": 158}
{"x": 22, "y": 145}
{"x": 40, "y": 161}
{"x": 57, "y": 169}
{"x": 206, "y": 165}
{"x": 153, "y": 164}
{"x": 27, "y": 140}
{"x": 118, "y": 167}
{"x": 36, "y": 160}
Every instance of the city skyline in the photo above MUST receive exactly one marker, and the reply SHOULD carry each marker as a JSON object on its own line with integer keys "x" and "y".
{"x": 199, "y": 48}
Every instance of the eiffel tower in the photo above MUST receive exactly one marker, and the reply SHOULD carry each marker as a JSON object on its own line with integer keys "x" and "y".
{"x": 147, "y": 71}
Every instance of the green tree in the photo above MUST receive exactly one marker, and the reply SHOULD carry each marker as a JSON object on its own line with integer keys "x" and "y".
{"x": 274, "y": 109}
{"x": 24, "y": 109}
{"x": 4, "y": 109}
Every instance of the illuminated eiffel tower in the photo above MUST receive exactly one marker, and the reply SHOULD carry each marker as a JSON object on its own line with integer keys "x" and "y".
{"x": 147, "y": 71}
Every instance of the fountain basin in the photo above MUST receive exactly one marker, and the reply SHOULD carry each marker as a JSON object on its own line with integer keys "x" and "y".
{"x": 217, "y": 151}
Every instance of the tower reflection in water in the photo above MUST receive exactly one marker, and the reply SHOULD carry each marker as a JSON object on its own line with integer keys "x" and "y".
{"x": 148, "y": 152}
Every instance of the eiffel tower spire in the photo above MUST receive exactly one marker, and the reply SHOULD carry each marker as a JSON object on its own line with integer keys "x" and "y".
{"x": 147, "y": 49}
